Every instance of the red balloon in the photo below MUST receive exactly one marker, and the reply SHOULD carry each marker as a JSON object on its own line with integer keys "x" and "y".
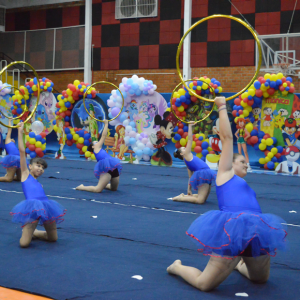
{"x": 67, "y": 124}
{"x": 198, "y": 92}
{"x": 173, "y": 100}
{"x": 271, "y": 91}
{"x": 197, "y": 149}
{"x": 195, "y": 83}
{"x": 57, "y": 113}
{"x": 38, "y": 150}
{"x": 183, "y": 113}
{"x": 69, "y": 143}
{"x": 62, "y": 114}
{"x": 266, "y": 167}
{"x": 198, "y": 143}
{"x": 90, "y": 140}
{"x": 283, "y": 79}
{"x": 266, "y": 136}
{"x": 266, "y": 152}
{"x": 254, "y": 139}
{"x": 258, "y": 93}
{"x": 211, "y": 152}
{"x": 288, "y": 83}
{"x": 180, "y": 131}
{"x": 246, "y": 100}
{"x": 68, "y": 113}
{"x": 185, "y": 134}
{"x": 81, "y": 152}
{"x": 31, "y": 147}
{"x": 79, "y": 146}
{"x": 40, "y": 154}
{"x": 177, "y": 113}
{"x": 14, "y": 111}
{"x": 177, "y": 145}
{"x": 185, "y": 105}
{"x": 240, "y": 112}
{"x": 250, "y": 102}
{"x": 260, "y": 79}
{"x": 174, "y": 107}
{"x": 281, "y": 88}
{"x": 193, "y": 98}
{"x": 249, "y": 142}
{"x": 180, "y": 125}
{"x": 292, "y": 89}
{"x": 234, "y": 113}
{"x": 57, "y": 105}
{"x": 43, "y": 134}
{"x": 27, "y": 145}
{"x": 255, "y": 128}
{"x": 72, "y": 87}
{"x": 278, "y": 155}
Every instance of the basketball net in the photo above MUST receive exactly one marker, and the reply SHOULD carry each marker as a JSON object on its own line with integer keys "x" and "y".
{"x": 282, "y": 67}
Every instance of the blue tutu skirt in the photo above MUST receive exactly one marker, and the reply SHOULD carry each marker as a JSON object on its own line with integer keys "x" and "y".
{"x": 10, "y": 161}
{"x": 220, "y": 233}
{"x": 28, "y": 211}
{"x": 202, "y": 176}
{"x": 107, "y": 164}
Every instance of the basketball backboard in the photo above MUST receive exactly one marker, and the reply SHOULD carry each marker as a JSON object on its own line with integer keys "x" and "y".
{"x": 280, "y": 53}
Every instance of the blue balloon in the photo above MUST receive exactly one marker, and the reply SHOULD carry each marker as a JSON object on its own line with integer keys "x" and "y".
{"x": 188, "y": 102}
{"x": 267, "y": 84}
{"x": 67, "y": 118}
{"x": 250, "y": 97}
{"x": 110, "y": 116}
{"x": 257, "y": 85}
{"x": 35, "y": 81}
{"x": 32, "y": 134}
{"x": 138, "y": 92}
{"x": 254, "y": 132}
{"x": 131, "y": 91}
{"x": 87, "y": 136}
{"x": 79, "y": 86}
{"x": 38, "y": 138}
{"x": 272, "y": 84}
{"x": 43, "y": 141}
{"x": 69, "y": 136}
{"x": 261, "y": 134}
{"x": 169, "y": 104}
{"x": 132, "y": 124}
{"x": 54, "y": 122}
{"x": 147, "y": 150}
{"x": 27, "y": 151}
{"x": 187, "y": 95}
{"x": 280, "y": 149}
{"x": 68, "y": 104}
{"x": 67, "y": 130}
{"x": 274, "y": 140}
{"x": 200, "y": 138}
{"x": 182, "y": 98}
{"x": 177, "y": 137}
{"x": 185, "y": 128}
{"x": 287, "y": 88}
{"x": 279, "y": 82}
{"x": 19, "y": 110}
{"x": 208, "y": 91}
{"x": 204, "y": 152}
{"x": 274, "y": 159}
{"x": 134, "y": 129}
{"x": 86, "y": 142}
{"x": 256, "y": 146}
{"x": 139, "y": 152}
{"x": 49, "y": 89}
{"x": 204, "y": 146}
{"x": 270, "y": 148}
{"x": 217, "y": 91}
{"x": 177, "y": 104}
{"x": 289, "y": 79}
{"x": 32, "y": 154}
{"x": 132, "y": 141}
{"x": 175, "y": 129}
{"x": 122, "y": 118}
{"x": 81, "y": 133}
{"x": 280, "y": 159}
{"x": 129, "y": 81}
{"x": 270, "y": 165}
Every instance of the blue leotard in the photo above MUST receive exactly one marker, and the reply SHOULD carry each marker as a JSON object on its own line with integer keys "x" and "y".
{"x": 239, "y": 228}
{"x": 37, "y": 206}
{"x": 202, "y": 173}
{"x": 12, "y": 159}
{"x": 106, "y": 163}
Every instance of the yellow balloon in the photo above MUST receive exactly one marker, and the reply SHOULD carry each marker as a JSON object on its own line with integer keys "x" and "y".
{"x": 180, "y": 108}
{"x": 251, "y": 92}
{"x": 182, "y": 142}
{"x": 84, "y": 148}
{"x": 176, "y": 95}
{"x": 274, "y": 151}
{"x": 220, "y": 89}
{"x": 269, "y": 142}
{"x": 27, "y": 138}
{"x": 249, "y": 108}
{"x": 262, "y": 161}
{"x": 267, "y": 76}
{"x": 32, "y": 141}
{"x": 193, "y": 144}
{"x": 279, "y": 75}
{"x": 173, "y": 140}
{"x": 199, "y": 155}
{"x": 267, "y": 159}
{"x": 199, "y": 88}
{"x": 38, "y": 144}
{"x": 263, "y": 141}
{"x": 69, "y": 92}
{"x": 263, "y": 87}
{"x": 93, "y": 157}
{"x": 276, "y": 164}
{"x": 266, "y": 95}
{"x": 81, "y": 140}
{"x": 284, "y": 93}
{"x": 55, "y": 128}
{"x": 87, "y": 154}
{"x": 273, "y": 77}
{"x": 75, "y": 137}
{"x": 284, "y": 84}
{"x": 262, "y": 147}
{"x": 43, "y": 147}
{"x": 76, "y": 82}
{"x": 243, "y": 103}
{"x": 270, "y": 155}
{"x": 249, "y": 127}
{"x": 181, "y": 92}
{"x": 245, "y": 113}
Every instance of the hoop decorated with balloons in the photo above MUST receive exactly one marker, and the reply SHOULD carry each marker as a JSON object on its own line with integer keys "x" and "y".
{"x": 104, "y": 82}
{"x": 192, "y": 80}
{"x": 38, "y": 93}
{"x": 206, "y": 19}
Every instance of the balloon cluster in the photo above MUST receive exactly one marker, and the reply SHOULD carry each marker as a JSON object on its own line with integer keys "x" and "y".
{"x": 200, "y": 144}
{"x": 139, "y": 143}
{"x": 182, "y": 98}
{"x": 264, "y": 87}
{"x": 5, "y": 88}
{"x": 81, "y": 138}
{"x": 46, "y": 85}
{"x": 19, "y": 101}
{"x": 36, "y": 140}
{"x": 129, "y": 87}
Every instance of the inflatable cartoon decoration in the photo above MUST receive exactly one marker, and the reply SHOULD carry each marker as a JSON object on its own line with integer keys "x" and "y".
{"x": 136, "y": 123}
{"x": 5, "y": 107}
{"x": 290, "y": 166}
{"x": 166, "y": 127}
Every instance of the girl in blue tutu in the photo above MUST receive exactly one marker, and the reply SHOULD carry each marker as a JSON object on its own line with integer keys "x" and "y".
{"x": 11, "y": 162}
{"x": 238, "y": 236}
{"x": 37, "y": 208}
{"x": 200, "y": 175}
{"x": 107, "y": 170}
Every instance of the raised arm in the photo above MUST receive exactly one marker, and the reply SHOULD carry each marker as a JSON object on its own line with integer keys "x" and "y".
{"x": 98, "y": 146}
{"x": 225, "y": 171}
{"x": 188, "y": 148}
{"x": 8, "y": 135}
{"x": 23, "y": 163}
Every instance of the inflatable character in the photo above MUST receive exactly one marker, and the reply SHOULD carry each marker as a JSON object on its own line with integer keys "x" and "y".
{"x": 47, "y": 102}
{"x": 92, "y": 124}
{"x": 290, "y": 166}
{"x": 119, "y": 141}
{"x": 268, "y": 116}
{"x": 61, "y": 137}
{"x": 133, "y": 110}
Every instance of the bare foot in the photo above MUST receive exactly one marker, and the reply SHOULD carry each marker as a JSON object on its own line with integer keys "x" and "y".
{"x": 178, "y": 197}
{"x": 79, "y": 187}
{"x": 108, "y": 186}
{"x": 172, "y": 268}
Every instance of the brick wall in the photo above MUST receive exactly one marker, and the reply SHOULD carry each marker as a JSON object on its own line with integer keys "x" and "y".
{"x": 232, "y": 79}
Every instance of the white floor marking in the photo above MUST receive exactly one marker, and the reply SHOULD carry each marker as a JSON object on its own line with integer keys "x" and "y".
{"x": 242, "y": 294}
{"x": 94, "y": 217}
{"x": 130, "y": 205}
{"x": 292, "y": 211}
{"x": 138, "y": 277}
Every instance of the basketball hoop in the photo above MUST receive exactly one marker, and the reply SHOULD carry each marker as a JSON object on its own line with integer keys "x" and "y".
{"x": 282, "y": 67}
